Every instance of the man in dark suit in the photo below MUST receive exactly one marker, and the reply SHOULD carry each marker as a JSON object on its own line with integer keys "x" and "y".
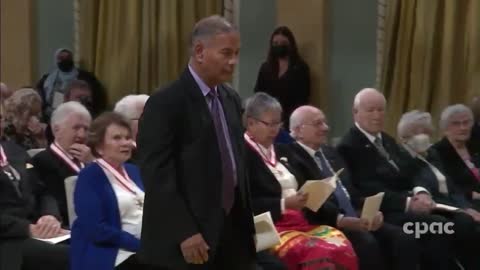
{"x": 378, "y": 164}
{"x": 313, "y": 159}
{"x": 197, "y": 213}
{"x": 67, "y": 155}
{"x": 26, "y": 212}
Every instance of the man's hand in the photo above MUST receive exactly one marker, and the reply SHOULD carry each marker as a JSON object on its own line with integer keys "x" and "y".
{"x": 421, "y": 203}
{"x": 46, "y": 227}
{"x": 195, "y": 249}
{"x": 475, "y": 195}
{"x": 81, "y": 152}
{"x": 296, "y": 202}
{"x": 474, "y": 214}
{"x": 353, "y": 223}
{"x": 377, "y": 221}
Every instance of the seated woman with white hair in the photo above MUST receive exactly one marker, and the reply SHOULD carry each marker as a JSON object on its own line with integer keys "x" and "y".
{"x": 131, "y": 107}
{"x": 459, "y": 155}
{"x": 275, "y": 188}
{"x": 414, "y": 131}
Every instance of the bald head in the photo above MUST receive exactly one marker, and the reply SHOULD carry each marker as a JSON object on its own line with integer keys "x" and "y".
{"x": 308, "y": 125}
{"x": 369, "y": 110}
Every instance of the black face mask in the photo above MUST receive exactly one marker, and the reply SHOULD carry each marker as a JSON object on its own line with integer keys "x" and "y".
{"x": 280, "y": 50}
{"x": 65, "y": 65}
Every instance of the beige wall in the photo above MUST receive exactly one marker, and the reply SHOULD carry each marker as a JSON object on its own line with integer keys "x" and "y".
{"x": 306, "y": 19}
{"x": 16, "y": 55}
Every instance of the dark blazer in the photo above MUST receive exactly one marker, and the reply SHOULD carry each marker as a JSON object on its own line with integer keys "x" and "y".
{"x": 267, "y": 192}
{"x": 428, "y": 180}
{"x": 52, "y": 171}
{"x": 305, "y": 165}
{"x": 181, "y": 168}
{"x": 372, "y": 173}
{"x": 455, "y": 168}
{"x": 22, "y": 207}
{"x": 97, "y": 232}
{"x": 475, "y": 132}
{"x": 292, "y": 89}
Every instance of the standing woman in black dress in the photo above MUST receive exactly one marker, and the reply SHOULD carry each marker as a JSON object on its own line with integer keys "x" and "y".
{"x": 284, "y": 75}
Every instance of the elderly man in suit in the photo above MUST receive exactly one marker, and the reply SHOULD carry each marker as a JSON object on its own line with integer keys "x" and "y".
{"x": 197, "y": 211}
{"x": 68, "y": 154}
{"x": 26, "y": 212}
{"x": 314, "y": 159}
{"x": 378, "y": 164}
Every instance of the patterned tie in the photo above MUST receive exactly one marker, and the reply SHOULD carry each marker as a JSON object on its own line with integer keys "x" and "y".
{"x": 340, "y": 192}
{"x": 228, "y": 186}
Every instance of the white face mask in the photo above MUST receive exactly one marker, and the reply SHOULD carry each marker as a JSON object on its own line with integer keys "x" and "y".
{"x": 419, "y": 143}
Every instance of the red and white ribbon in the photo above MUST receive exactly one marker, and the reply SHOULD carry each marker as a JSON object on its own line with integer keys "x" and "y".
{"x": 122, "y": 178}
{"x": 58, "y": 150}
{"x": 3, "y": 158}
{"x": 254, "y": 145}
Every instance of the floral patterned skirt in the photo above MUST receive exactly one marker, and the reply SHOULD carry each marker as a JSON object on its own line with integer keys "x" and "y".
{"x": 310, "y": 247}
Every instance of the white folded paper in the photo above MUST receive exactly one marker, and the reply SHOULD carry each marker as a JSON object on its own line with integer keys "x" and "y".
{"x": 371, "y": 206}
{"x": 319, "y": 190}
{"x": 267, "y": 235}
{"x": 441, "y": 206}
{"x": 55, "y": 240}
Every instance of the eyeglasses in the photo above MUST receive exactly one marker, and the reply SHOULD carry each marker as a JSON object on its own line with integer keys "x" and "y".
{"x": 316, "y": 124}
{"x": 270, "y": 125}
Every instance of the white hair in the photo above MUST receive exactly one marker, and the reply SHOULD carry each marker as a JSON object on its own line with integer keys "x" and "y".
{"x": 297, "y": 118}
{"x": 452, "y": 110}
{"x": 359, "y": 96}
{"x": 129, "y": 106}
{"x": 258, "y": 104}
{"x": 64, "y": 110}
{"x": 412, "y": 119}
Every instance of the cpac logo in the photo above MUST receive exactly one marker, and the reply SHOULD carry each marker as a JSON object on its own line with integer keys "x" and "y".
{"x": 419, "y": 228}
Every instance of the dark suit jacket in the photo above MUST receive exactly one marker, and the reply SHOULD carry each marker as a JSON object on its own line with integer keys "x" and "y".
{"x": 372, "y": 173}
{"x": 52, "y": 171}
{"x": 308, "y": 169}
{"x": 19, "y": 209}
{"x": 267, "y": 192}
{"x": 181, "y": 168}
{"x": 455, "y": 168}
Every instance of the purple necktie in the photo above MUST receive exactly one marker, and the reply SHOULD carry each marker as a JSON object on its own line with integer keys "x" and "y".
{"x": 228, "y": 186}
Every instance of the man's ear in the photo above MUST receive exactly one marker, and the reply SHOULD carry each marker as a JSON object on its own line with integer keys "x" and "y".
{"x": 199, "y": 52}
{"x": 55, "y": 129}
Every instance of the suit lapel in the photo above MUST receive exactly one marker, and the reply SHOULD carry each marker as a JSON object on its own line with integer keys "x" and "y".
{"x": 309, "y": 161}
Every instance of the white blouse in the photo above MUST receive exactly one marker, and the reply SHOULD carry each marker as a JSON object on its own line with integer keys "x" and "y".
{"x": 287, "y": 180}
{"x": 130, "y": 213}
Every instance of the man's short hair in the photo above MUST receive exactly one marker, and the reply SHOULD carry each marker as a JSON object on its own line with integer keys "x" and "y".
{"x": 64, "y": 110}
{"x": 208, "y": 27}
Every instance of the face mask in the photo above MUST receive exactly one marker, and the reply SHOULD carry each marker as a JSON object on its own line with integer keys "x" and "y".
{"x": 280, "y": 50}
{"x": 419, "y": 143}
{"x": 65, "y": 65}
